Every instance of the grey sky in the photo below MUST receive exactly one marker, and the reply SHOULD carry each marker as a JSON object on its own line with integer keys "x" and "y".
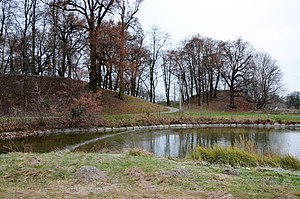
{"x": 272, "y": 26}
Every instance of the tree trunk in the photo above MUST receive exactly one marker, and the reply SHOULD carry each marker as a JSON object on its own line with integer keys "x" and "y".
{"x": 69, "y": 58}
{"x": 121, "y": 83}
{"x": 151, "y": 93}
{"x": 122, "y": 63}
{"x": 93, "y": 61}
{"x": 33, "y": 28}
{"x": 199, "y": 94}
{"x": 54, "y": 37}
{"x": 216, "y": 86}
{"x": 232, "y": 102}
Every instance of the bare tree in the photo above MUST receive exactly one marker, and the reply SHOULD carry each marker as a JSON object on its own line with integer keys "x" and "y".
{"x": 54, "y": 13}
{"x": 236, "y": 70}
{"x": 211, "y": 63}
{"x": 127, "y": 19}
{"x": 138, "y": 57}
{"x": 6, "y": 13}
{"x": 94, "y": 13}
{"x": 193, "y": 50}
{"x": 168, "y": 65}
{"x": 157, "y": 41}
{"x": 266, "y": 81}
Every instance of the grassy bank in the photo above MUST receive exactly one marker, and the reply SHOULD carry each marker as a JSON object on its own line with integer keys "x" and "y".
{"x": 193, "y": 117}
{"x": 52, "y": 176}
{"x": 243, "y": 116}
{"x": 29, "y": 125}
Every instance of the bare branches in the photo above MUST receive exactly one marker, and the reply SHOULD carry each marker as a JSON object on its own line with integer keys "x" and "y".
{"x": 237, "y": 58}
{"x": 266, "y": 80}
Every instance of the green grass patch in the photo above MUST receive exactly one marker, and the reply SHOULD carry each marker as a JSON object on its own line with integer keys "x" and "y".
{"x": 281, "y": 118}
{"x": 238, "y": 157}
{"x": 194, "y": 117}
{"x": 229, "y": 156}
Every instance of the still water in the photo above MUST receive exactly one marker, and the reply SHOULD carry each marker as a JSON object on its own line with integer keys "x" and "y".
{"x": 170, "y": 142}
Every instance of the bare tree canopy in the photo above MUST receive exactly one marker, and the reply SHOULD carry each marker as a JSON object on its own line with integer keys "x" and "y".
{"x": 103, "y": 42}
{"x": 266, "y": 80}
{"x": 237, "y": 56}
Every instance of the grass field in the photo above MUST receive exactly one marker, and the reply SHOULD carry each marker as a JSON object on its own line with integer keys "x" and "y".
{"x": 244, "y": 116}
{"x": 52, "y": 176}
{"x": 199, "y": 117}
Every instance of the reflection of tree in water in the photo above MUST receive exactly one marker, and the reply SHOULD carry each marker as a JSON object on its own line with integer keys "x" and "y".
{"x": 181, "y": 142}
{"x": 253, "y": 140}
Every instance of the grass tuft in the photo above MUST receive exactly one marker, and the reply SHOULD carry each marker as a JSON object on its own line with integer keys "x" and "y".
{"x": 232, "y": 156}
{"x": 140, "y": 152}
{"x": 289, "y": 162}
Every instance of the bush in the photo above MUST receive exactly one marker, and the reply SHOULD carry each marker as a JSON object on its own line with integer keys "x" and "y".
{"x": 86, "y": 108}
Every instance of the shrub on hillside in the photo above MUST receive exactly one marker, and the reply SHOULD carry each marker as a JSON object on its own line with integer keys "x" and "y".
{"x": 85, "y": 109}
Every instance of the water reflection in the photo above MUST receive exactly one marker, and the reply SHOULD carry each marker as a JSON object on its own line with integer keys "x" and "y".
{"x": 44, "y": 143}
{"x": 180, "y": 143}
{"x": 168, "y": 143}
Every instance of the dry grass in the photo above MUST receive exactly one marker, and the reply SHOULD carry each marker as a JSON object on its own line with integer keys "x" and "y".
{"x": 246, "y": 144}
{"x": 130, "y": 105}
{"x": 139, "y": 152}
{"x": 52, "y": 176}
{"x": 57, "y": 95}
{"x": 221, "y": 104}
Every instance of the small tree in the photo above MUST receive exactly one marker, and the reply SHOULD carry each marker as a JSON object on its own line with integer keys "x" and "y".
{"x": 41, "y": 99}
{"x": 167, "y": 66}
{"x": 157, "y": 41}
{"x": 84, "y": 108}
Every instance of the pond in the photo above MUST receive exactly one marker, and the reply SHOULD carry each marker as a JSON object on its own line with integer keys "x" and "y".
{"x": 177, "y": 143}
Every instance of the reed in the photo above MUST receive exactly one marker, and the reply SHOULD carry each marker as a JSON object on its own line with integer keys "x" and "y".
{"x": 246, "y": 144}
{"x": 238, "y": 157}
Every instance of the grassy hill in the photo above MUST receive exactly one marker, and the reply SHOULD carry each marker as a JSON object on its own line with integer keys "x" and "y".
{"x": 55, "y": 96}
{"x": 220, "y": 103}
{"x": 129, "y": 105}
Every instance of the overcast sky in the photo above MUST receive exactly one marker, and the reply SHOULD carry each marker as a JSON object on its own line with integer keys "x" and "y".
{"x": 272, "y": 26}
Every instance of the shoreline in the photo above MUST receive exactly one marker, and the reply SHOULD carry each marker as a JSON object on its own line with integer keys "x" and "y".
{"x": 37, "y": 133}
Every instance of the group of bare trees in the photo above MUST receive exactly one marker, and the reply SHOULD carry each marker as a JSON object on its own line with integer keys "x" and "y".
{"x": 40, "y": 39}
{"x": 203, "y": 65}
{"x": 102, "y": 41}
{"x": 293, "y": 100}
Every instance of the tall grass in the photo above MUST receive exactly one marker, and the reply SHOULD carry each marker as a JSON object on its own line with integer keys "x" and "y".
{"x": 246, "y": 144}
{"x": 220, "y": 155}
{"x": 238, "y": 157}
